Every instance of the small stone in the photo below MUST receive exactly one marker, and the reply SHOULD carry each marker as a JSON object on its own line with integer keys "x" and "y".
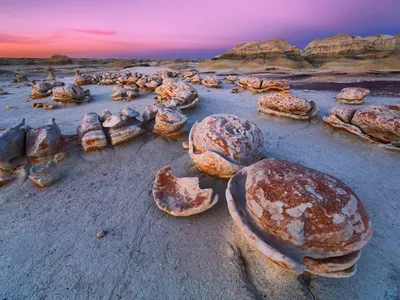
{"x": 101, "y": 234}
{"x": 37, "y": 104}
{"x": 59, "y": 157}
{"x": 185, "y": 145}
{"x": 48, "y": 106}
{"x": 27, "y": 100}
{"x": 5, "y": 180}
{"x": 235, "y": 91}
{"x": 9, "y": 107}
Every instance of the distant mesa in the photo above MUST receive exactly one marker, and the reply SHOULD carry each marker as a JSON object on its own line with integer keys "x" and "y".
{"x": 372, "y": 52}
{"x": 58, "y": 59}
{"x": 254, "y": 55}
{"x": 379, "y": 50}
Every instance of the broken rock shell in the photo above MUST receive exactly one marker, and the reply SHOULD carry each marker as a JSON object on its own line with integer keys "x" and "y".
{"x": 301, "y": 219}
{"x": 181, "y": 197}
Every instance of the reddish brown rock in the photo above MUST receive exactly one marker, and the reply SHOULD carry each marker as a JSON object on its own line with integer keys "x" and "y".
{"x": 90, "y": 131}
{"x": 177, "y": 94}
{"x": 284, "y": 104}
{"x": 211, "y": 82}
{"x": 181, "y": 197}
{"x": 222, "y": 144}
{"x": 44, "y": 89}
{"x": 352, "y": 95}
{"x": 258, "y": 86}
{"x": 375, "y": 123}
{"x": 44, "y": 176}
{"x": 71, "y": 94}
{"x": 300, "y": 218}
{"x": 169, "y": 122}
{"x": 43, "y": 141}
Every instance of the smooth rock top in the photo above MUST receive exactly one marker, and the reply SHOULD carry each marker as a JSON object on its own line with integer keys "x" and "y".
{"x": 257, "y": 47}
{"x": 308, "y": 209}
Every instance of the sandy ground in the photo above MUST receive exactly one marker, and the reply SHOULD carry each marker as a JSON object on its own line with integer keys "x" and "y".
{"x": 48, "y": 244}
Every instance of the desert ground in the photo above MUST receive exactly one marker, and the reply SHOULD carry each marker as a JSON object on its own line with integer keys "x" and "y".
{"x": 48, "y": 244}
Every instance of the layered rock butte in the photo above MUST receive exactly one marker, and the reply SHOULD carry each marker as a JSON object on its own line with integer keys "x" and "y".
{"x": 340, "y": 51}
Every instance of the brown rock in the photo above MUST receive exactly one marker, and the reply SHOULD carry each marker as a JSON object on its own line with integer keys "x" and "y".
{"x": 124, "y": 134}
{"x": 101, "y": 234}
{"x": 284, "y": 104}
{"x": 181, "y": 197}
{"x": 43, "y": 141}
{"x": 352, "y": 95}
{"x": 70, "y": 94}
{"x": 177, "y": 94}
{"x": 374, "y": 123}
{"x": 44, "y": 176}
{"x": 90, "y": 131}
{"x": 221, "y": 144}
{"x": 169, "y": 122}
{"x": 211, "y": 82}
{"x": 300, "y": 218}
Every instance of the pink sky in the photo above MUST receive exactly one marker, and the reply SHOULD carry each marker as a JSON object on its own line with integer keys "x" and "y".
{"x": 167, "y": 29}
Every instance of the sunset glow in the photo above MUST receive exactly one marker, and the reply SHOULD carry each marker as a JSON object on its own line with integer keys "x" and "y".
{"x": 187, "y": 29}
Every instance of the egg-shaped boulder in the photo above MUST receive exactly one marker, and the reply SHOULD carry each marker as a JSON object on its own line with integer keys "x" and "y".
{"x": 300, "y": 218}
{"x": 220, "y": 145}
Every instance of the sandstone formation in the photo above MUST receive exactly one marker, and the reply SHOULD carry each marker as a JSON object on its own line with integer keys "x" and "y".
{"x": 20, "y": 78}
{"x": 169, "y": 122}
{"x": 86, "y": 79}
{"x": 58, "y": 59}
{"x": 177, "y": 94}
{"x": 343, "y": 48}
{"x": 257, "y": 55}
{"x": 149, "y": 83}
{"x": 90, "y": 132}
{"x": 375, "y": 123}
{"x": 231, "y": 79}
{"x": 258, "y": 86}
{"x": 44, "y": 89}
{"x": 187, "y": 74}
{"x": 43, "y": 176}
{"x": 150, "y": 112}
{"x": 211, "y": 82}
{"x": 352, "y": 95}
{"x": 123, "y": 127}
{"x": 181, "y": 197}
{"x": 12, "y": 146}
{"x": 50, "y": 74}
{"x": 220, "y": 145}
{"x": 285, "y": 104}
{"x": 43, "y": 141}
{"x": 196, "y": 79}
{"x": 71, "y": 94}
{"x": 301, "y": 219}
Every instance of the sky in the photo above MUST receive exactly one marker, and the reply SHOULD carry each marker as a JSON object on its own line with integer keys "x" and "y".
{"x": 180, "y": 28}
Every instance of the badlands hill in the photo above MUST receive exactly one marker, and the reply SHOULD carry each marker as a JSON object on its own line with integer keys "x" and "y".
{"x": 254, "y": 55}
{"x": 340, "y": 51}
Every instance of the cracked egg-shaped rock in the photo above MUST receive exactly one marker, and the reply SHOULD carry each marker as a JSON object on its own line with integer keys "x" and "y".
{"x": 181, "y": 197}
{"x": 258, "y": 86}
{"x": 352, "y": 95}
{"x": 374, "y": 123}
{"x": 85, "y": 79}
{"x": 301, "y": 219}
{"x": 211, "y": 82}
{"x": 44, "y": 89}
{"x": 71, "y": 94}
{"x": 196, "y": 79}
{"x": 149, "y": 82}
{"x": 169, "y": 122}
{"x": 231, "y": 79}
{"x": 177, "y": 94}
{"x": 220, "y": 145}
{"x": 188, "y": 73}
{"x": 285, "y": 104}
